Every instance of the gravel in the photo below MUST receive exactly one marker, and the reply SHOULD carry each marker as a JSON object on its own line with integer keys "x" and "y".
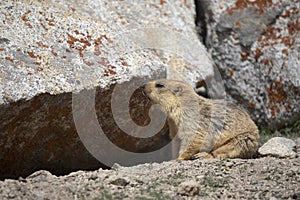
{"x": 261, "y": 178}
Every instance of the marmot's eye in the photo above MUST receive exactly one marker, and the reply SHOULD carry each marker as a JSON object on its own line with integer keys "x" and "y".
{"x": 159, "y": 85}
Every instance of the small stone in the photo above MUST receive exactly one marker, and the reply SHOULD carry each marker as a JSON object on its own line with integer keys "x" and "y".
{"x": 120, "y": 182}
{"x": 40, "y": 176}
{"x": 116, "y": 167}
{"x": 188, "y": 188}
{"x": 93, "y": 177}
{"x": 278, "y": 147}
{"x": 229, "y": 164}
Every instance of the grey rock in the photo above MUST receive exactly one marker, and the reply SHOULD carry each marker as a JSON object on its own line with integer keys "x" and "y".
{"x": 255, "y": 45}
{"x": 278, "y": 147}
{"x": 188, "y": 188}
{"x": 56, "y": 59}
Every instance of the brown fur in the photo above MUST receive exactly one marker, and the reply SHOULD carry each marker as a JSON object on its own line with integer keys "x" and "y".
{"x": 203, "y": 128}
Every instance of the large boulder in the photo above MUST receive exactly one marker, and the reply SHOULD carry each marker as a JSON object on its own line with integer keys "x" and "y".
{"x": 255, "y": 45}
{"x": 69, "y": 78}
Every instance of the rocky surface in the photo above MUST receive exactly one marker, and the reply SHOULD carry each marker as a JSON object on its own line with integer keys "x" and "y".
{"x": 67, "y": 73}
{"x": 255, "y": 44}
{"x": 262, "y": 178}
{"x": 278, "y": 147}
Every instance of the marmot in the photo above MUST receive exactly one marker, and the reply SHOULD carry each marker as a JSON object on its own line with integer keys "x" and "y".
{"x": 204, "y": 128}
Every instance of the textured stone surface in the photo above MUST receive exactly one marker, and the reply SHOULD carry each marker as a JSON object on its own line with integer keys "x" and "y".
{"x": 278, "y": 147}
{"x": 255, "y": 44}
{"x": 50, "y": 50}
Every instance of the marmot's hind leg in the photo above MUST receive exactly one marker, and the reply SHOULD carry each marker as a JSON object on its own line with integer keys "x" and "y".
{"x": 241, "y": 146}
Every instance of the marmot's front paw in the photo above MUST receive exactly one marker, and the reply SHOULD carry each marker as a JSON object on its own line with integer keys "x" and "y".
{"x": 201, "y": 155}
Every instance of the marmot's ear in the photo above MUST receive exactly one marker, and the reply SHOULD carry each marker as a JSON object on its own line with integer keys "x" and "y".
{"x": 178, "y": 89}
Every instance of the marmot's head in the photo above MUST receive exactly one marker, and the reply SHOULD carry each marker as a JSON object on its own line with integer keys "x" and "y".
{"x": 168, "y": 93}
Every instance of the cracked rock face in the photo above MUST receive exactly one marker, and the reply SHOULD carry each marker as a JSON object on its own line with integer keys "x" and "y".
{"x": 50, "y": 53}
{"x": 255, "y": 45}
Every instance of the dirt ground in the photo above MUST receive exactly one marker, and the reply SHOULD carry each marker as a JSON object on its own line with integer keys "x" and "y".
{"x": 261, "y": 178}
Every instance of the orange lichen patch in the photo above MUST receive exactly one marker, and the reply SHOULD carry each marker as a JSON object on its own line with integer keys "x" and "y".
{"x": 276, "y": 35}
{"x": 103, "y": 61}
{"x": 98, "y": 43}
{"x": 88, "y": 63}
{"x": 294, "y": 27}
{"x": 123, "y": 62}
{"x": 260, "y": 5}
{"x": 97, "y": 50}
{"x": 37, "y": 63}
{"x": 72, "y": 9}
{"x": 107, "y": 39}
{"x": 1, "y": 49}
{"x": 277, "y": 97}
{"x": 244, "y": 55}
{"x": 285, "y": 51}
{"x": 42, "y": 45}
{"x": 231, "y": 73}
{"x": 288, "y": 41}
{"x": 265, "y": 61}
{"x": 162, "y": 2}
{"x": 81, "y": 41}
{"x": 43, "y": 25}
{"x": 80, "y": 49}
{"x": 71, "y": 41}
{"x": 9, "y": 59}
{"x": 31, "y": 54}
{"x": 50, "y": 20}
{"x": 259, "y": 39}
{"x": 53, "y": 52}
{"x": 270, "y": 34}
{"x": 230, "y": 11}
{"x": 238, "y": 24}
{"x": 258, "y": 53}
{"x": 251, "y": 105}
{"x": 25, "y": 19}
{"x": 108, "y": 72}
{"x": 85, "y": 42}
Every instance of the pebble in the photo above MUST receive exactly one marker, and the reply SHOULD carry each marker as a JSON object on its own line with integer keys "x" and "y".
{"x": 188, "y": 188}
